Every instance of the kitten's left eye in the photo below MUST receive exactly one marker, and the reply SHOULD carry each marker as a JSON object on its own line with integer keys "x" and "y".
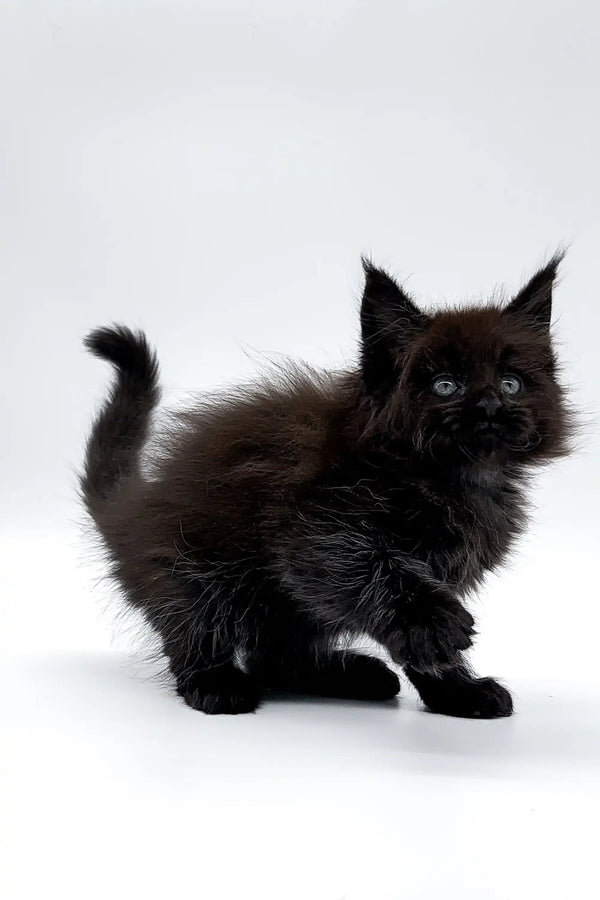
{"x": 510, "y": 384}
{"x": 444, "y": 386}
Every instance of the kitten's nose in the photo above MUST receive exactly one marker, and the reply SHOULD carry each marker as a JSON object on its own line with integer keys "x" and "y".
{"x": 490, "y": 404}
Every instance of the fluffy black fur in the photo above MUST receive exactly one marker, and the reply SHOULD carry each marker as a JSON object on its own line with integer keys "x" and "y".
{"x": 287, "y": 515}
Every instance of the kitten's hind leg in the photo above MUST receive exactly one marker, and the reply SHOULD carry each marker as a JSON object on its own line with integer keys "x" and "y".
{"x": 456, "y": 692}
{"x": 339, "y": 673}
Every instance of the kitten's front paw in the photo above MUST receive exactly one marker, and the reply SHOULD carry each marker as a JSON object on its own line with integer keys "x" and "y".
{"x": 433, "y": 636}
{"x": 464, "y": 696}
{"x": 219, "y": 691}
{"x": 222, "y": 702}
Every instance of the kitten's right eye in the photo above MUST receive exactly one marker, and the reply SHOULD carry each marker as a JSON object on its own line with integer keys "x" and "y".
{"x": 444, "y": 386}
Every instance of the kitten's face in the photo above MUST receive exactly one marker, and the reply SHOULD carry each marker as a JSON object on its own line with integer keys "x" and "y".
{"x": 479, "y": 383}
{"x": 474, "y": 384}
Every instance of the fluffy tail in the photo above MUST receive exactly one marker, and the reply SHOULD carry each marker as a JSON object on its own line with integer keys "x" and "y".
{"x": 113, "y": 447}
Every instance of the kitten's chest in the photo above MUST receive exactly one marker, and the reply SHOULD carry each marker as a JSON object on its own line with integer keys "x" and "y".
{"x": 477, "y": 529}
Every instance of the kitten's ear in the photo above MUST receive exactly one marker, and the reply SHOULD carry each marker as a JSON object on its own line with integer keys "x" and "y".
{"x": 389, "y": 322}
{"x": 534, "y": 301}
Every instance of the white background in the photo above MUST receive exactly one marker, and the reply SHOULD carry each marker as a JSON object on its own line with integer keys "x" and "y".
{"x": 211, "y": 171}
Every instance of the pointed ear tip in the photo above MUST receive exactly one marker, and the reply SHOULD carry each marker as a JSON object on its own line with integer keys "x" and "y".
{"x": 548, "y": 272}
{"x": 373, "y": 274}
{"x": 371, "y": 271}
{"x": 555, "y": 260}
{"x": 551, "y": 268}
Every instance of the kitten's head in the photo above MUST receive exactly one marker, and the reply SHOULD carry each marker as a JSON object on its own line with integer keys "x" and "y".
{"x": 465, "y": 385}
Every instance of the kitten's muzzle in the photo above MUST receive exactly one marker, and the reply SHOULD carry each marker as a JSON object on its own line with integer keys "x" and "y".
{"x": 487, "y": 427}
{"x": 490, "y": 404}
{"x": 486, "y": 414}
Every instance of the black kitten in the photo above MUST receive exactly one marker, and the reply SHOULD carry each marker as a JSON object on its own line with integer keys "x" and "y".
{"x": 286, "y": 515}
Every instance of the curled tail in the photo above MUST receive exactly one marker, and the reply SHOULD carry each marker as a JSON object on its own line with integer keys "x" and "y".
{"x": 118, "y": 434}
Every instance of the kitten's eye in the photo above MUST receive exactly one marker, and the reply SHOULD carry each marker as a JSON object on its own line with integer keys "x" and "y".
{"x": 444, "y": 386}
{"x": 510, "y": 384}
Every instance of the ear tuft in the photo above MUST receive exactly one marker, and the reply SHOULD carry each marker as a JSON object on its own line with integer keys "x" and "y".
{"x": 534, "y": 301}
{"x": 386, "y": 302}
{"x": 378, "y": 281}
